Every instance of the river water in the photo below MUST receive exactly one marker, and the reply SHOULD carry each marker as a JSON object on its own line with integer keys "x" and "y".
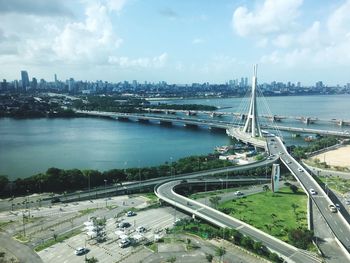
{"x": 33, "y": 145}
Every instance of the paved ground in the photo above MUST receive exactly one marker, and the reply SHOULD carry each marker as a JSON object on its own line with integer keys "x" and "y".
{"x": 22, "y": 252}
{"x": 154, "y": 220}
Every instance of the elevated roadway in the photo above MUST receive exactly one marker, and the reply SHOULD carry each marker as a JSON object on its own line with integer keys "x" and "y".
{"x": 167, "y": 193}
{"x": 335, "y": 221}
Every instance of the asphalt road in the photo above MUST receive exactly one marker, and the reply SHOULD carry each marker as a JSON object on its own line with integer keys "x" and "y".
{"x": 336, "y": 222}
{"x": 165, "y": 192}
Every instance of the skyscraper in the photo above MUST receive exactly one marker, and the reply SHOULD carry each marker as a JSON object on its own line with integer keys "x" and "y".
{"x": 25, "y": 79}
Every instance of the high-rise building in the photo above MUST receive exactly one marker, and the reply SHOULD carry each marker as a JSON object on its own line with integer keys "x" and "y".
{"x": 71, "y": 84}
{"x": 34, "y": 83}
{"x": 55, "y": 78}
{"x": 25, "y": 79}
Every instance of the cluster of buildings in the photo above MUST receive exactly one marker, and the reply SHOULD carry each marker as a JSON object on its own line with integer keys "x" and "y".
{"x": 234, "y": 87}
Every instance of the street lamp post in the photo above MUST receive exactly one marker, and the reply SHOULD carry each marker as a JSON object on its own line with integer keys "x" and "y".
{"x": 139, "y": 176}
{"x": 171, "y": 167}
{"x": 105, "y": 190}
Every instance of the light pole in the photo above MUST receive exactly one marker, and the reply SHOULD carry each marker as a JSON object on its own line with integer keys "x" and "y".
{"x": 139, "y": 176}
{"x": 105, "y": 190}
{"x": 89, "y": 184}
{"x": 171, "y": 167}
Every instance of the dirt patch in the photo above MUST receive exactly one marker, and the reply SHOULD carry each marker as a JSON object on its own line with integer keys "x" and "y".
{"x": 339, "y": 157}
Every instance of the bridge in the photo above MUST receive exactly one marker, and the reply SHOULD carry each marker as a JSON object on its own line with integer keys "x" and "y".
{"x": 211, "y": 123}
{"x": 243, "y": 116}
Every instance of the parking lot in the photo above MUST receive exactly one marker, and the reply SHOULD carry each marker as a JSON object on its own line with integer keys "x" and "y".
{"x": 154, "y": 220}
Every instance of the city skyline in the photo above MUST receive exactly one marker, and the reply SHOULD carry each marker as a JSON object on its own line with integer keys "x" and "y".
{"x": 186, "y": 42}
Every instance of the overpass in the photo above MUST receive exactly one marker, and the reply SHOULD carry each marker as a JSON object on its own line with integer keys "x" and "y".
{"x": 211, "y": 123}
{"x": 336, "y": 221}
{"x": 167, "y": 193}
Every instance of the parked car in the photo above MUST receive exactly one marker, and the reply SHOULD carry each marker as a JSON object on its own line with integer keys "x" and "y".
{"x": 332, "y": 208}
{"x": 124, "y": 242}
{"x": 312, "y": 191}
{"x": 123, "y": 224}
{"x": 81, "y": 251}
{"x": 130, "y": 213}
{"x": 141, "y": 229}
{"x": 347, "y": 202}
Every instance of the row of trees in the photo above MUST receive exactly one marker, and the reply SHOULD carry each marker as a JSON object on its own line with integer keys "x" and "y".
{"x": 231, "y": 235}
{"x": 300, "y": 152}
{"x": 183, "y": 107}
{"x": 60, "y": 180}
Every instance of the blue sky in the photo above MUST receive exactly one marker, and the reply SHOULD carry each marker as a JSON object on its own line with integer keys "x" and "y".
{"x": 176, "y": 40}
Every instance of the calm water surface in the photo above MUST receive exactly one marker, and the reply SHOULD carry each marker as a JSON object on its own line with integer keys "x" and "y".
{"x": 32, "y": 146}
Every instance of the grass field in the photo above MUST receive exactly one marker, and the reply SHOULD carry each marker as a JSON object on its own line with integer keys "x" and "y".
{"x": 273, "y": 213}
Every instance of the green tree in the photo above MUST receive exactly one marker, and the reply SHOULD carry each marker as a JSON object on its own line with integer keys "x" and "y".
{"x": 300, "y": 237}
{"x": 209, "y": 257}
{"x": 3, "y": 183}
{"x": 214, "y": 200}
{"x": 91, "y": 260}
{"x": 220, "y": 252}
{"x": 294, "y": 188}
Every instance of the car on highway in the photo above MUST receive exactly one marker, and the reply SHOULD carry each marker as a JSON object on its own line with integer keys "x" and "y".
{"x": 332, "y": 208}
{"x": 300, "y": 170}
{"x": 130, "y": 213}
{"x": 337, "y": 206}
{"x": 289, "y": 162}
{"x": 312, "y": 191}
{"x": 81, "y": 251}
{"x": 124, "y": 243}
{"x": 238, "y": 193}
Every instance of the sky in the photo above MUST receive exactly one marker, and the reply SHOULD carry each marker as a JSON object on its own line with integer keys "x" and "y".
{"x": 178, "y": 41}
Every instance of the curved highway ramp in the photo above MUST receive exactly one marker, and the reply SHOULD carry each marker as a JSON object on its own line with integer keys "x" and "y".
{"x": 290, "y": 253}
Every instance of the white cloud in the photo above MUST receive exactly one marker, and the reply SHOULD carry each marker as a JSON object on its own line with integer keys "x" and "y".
{"x": 322, "y": 45}
{"x": 144, "y": 62}
{"x": 273, "y": 16}
{"x": 92, "y": 40}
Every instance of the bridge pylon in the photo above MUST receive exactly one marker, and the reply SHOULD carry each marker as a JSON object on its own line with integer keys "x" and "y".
{"x": 252, "y": 124}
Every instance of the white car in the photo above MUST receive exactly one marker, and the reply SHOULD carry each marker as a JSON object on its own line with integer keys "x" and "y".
{"x": 124, "y": 242}
{"x": 130, "y": 213}
{"x": 337, "y": 206}
{"x": 300, "y": 170}
{"x": 81, "y": 251}
{"x": 238, "y": 193}
{"x": 332, "y": 208}
{"x": 312, "y": 191}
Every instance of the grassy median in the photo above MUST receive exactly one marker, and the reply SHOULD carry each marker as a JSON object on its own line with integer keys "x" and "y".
{"x": 274, "y": 213}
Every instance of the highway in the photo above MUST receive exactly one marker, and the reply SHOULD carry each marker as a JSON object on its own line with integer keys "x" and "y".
{"x": 166, "y": 192}
{"x": 131, "y": 187}
{"x": 336, "y": 221}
